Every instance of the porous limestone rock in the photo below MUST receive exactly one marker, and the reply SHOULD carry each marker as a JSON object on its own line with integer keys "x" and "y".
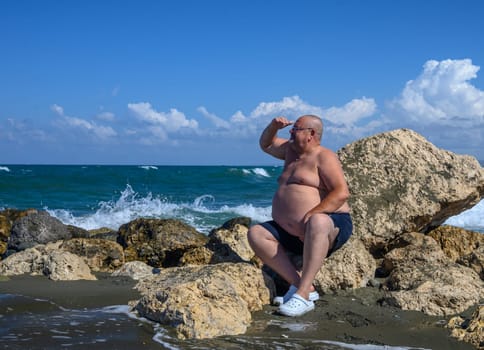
{"x": 462, "y": 246}
{"x": 351, "y": 266}
{"x": 48, "y": 260}
{"x": 60, "y": 265}
{"x": 422, "y": 278}
{"x": 205, "y": 301}
{"x": 227, "y": 243}
{"x": 100, "y": 254}
{"x": 457, "y": 242}
{"x": 399, "y": 182}
{"x": 135, "y": 269}
{"x": 158, "y": 242}
{"x": 469, "y": 330}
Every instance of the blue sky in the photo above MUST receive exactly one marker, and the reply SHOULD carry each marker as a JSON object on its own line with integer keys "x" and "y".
{"x": 195, "y": 82}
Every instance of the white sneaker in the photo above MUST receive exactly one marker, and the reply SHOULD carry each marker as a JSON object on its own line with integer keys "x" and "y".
{"x": 313, "y": 296}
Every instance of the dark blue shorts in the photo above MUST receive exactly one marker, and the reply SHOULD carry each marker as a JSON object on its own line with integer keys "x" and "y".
{"x": 296, "y": 246}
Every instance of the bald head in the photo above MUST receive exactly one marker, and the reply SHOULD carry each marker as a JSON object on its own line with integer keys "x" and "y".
{"x": 313, "y": 122}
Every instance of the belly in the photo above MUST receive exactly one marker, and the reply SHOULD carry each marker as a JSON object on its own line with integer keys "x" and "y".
{"x": 291, "y": 203}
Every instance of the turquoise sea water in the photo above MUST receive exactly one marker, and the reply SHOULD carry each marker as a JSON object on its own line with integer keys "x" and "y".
{"x": 108, "y": 196}
{"x": 92, "y": 196}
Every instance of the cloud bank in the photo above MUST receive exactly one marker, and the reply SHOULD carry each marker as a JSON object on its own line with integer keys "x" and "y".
{"x": 440, "y": 102}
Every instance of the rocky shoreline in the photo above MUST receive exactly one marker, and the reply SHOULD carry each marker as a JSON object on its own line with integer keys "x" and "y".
{"x": 399, "y": 260}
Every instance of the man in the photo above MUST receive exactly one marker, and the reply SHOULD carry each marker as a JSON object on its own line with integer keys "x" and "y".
{"x": 310, "y": 210}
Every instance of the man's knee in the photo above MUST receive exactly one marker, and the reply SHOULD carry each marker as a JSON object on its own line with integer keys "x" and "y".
{"x": 255, "y": 233}
{"x": 320, "y": 223}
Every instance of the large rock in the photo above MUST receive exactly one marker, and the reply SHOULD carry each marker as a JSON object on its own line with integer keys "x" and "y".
{"x": 462, "y": 246}
{"x": 48, "y": 260}
{"x": 158, "y": 242}
{"x": 422, "y": 278}
{"x": 7, "y": 218}
{"x": 100, "y": 254}
{"x": 227, "y": 243}
{"x": 36, "y": 228}
{"x": 350, "y": 267}
{"x": 205, "y": 301}
{"x": 136, "y": 270}
{"x": 469, "y": 330}
{"x": 399, "y": 182}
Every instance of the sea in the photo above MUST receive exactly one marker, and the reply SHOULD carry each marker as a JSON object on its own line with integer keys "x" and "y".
{"x": 95, "y": 196}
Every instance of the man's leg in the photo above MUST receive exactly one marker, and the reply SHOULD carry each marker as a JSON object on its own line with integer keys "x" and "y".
{"x": 318, "y": 239}
{"x": 271, "y": 252}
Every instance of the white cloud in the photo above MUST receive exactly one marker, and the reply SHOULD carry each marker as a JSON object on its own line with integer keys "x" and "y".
{"x": 100, "y": 131}
{"x": 442, "y": 94}
{"x": 106, "y": 116}
{"x": 351, "y": 112}
{"x": 57, "y": 109}
{"x": 218, "y": 122}
{"x": 289, "y": 106}
{"x": 170, "y": 122}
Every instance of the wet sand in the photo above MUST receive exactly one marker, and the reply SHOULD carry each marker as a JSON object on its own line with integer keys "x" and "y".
{"x": 349, "y": 317}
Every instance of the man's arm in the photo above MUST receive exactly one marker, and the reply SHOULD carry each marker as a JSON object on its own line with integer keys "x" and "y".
{"x": 270, "y": 143}
{"x": 331, "y": 173}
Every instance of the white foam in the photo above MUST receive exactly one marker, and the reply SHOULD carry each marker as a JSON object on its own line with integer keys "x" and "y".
{"x": 131, "y": 205}
{"x": 370, "y": 346}
{"x": 148, "y": 167}
{"x": 472, "y": 219}
{"x": 4, "y": 168}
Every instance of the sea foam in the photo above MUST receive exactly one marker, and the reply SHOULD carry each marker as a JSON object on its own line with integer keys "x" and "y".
{"x": 202, "y": 213}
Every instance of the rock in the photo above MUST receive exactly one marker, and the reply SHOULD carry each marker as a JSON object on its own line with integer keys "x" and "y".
{"x": 135, "y": 269}
{"x": 474, "y": 260}
{"x": 46, "y": 260}
{"x": 205, "y": 301}
{"x": 462, "y": 246}
{"x": 469, "y": 330}
{"x": 158, "y": 242}
{"x": 104, "y": 233}
{"x": 227, "y": 243}
{"x": 100, "y": 254}
{"x": 234, "y": 237}
{"x": 350, "y": 267}
{"x": 457, "y": 242}
{"x": 36, "y": 228}
{"x": 64, "y": 266}
{"x": 7, "y": 217}
{"x": 422, "y": 278}
{"x": 29, "y": 261}
{"x": 399, "y": 182}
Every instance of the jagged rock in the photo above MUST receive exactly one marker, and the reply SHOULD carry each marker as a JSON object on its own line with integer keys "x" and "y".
{"x": 422, "y": 278}
{"x": 100, "y": 254}
{"x": 231, "y": 238}
{"x": 399, "y": 182}
{"x": 36, "y": 228}
{"x": 227, "y": 243}
{"x": 205, "y": 301}
{"x": 474, "y": 260}
{"x": 104, "y": 233}
{"x": 61, "y": 265}
{"x": 462, "y": 246}
{"x": 7, "y": 217}
{"x": 158, "y": 242}
{"x": 457, "y": 242}
{"x": 46, "y": 260}
{"x": 469, "y": 330}
{"x": 135, "y": 269}
{"x": 351, "y": 266}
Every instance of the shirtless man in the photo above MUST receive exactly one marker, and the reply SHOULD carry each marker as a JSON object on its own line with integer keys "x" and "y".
{"x": 309, "y": 209}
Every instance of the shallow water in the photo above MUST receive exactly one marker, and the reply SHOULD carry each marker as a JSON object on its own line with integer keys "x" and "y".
{"x": 36, "y": 313}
